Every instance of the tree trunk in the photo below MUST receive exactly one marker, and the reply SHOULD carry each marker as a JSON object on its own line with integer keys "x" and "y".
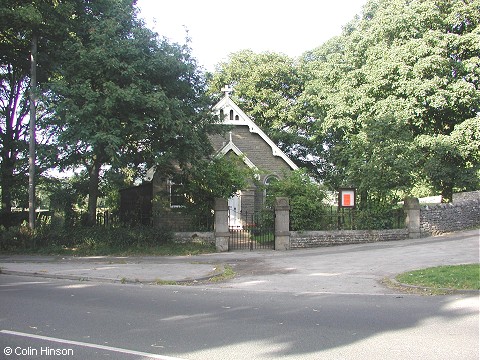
{"x": 447, "y": 193}
{"x": 7, "y": 185}
{"x": 94, "y": 176}
{"x": 32, "y": 140}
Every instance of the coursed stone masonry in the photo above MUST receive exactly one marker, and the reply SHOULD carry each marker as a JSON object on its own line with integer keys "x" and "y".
{"x": 308, "y": 239}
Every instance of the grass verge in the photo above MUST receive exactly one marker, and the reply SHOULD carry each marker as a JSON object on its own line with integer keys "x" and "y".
{"x": 227, "y": 274}
{"x": 443, "y": 278}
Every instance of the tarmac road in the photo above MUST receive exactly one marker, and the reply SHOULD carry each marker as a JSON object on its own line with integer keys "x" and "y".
{"x": 355, "y": 269}
{"x": 352, "y": 269}
{"x": 323, "y": 303}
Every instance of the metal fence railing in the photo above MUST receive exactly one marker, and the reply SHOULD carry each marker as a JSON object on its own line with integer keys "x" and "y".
{"x": 335, "y": 218}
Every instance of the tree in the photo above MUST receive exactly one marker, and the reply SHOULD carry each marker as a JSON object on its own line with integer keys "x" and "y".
{"x": 411, "y": 65}
{"x": 267, "y": 87}
{"x": 19, "y": 20}
{"x": 443, "y": 153}
{"x": 125, "y": 97}
{"x": 380, "y": 161}
{"x": 269, "y": 91}
{"x": 15, "y": 67}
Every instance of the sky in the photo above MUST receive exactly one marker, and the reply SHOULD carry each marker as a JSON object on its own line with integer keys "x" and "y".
{"x": 218, "y": 28}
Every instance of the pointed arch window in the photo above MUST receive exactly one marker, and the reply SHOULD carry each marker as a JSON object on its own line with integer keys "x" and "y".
{"x": 269, "y": 180}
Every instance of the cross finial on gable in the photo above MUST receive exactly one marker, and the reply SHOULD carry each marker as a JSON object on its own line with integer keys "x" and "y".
{"x": 227, "y": 89}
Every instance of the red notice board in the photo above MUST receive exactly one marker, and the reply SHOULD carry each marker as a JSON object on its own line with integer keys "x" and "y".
{"x": 346, "y": 198}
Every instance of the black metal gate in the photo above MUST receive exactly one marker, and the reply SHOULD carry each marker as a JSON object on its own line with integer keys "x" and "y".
{"x": 251, "y": 231}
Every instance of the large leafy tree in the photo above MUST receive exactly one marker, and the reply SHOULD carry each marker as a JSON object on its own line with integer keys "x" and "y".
{"x": 19, "y": 21}
{"x": 267, "y": 87}
{"x": 442, "y": 155}
{"x": 124, "y": 97}
{"x": 412, "y": 66}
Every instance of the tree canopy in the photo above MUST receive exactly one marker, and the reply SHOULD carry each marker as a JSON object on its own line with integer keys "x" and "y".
{"x": 113, "y": 93}
{"x": 19, "y": 21}
{"x": 382, "y": 107}
{"x": 411, "y": 68}
{"x": 391, "y": 106}
{"x": 125, "y": 97}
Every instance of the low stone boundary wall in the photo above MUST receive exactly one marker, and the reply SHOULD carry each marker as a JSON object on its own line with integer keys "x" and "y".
{"x": 421, "y": 220}
{"x": 192, "y": 237}
{"x": 466, "y": 197}
{"x": 462, "y": 213}
{"x": 308, "y": 239}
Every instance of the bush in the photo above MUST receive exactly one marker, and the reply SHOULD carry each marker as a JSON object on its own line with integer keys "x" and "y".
{"x": 306, "y": 199}
{"x": 309, "y": 212}
{"x": 83, "y": 240}
{"x": 15, "y": 237}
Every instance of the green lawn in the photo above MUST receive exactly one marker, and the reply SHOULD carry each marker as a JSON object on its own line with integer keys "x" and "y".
{"x": 460, "y": 277}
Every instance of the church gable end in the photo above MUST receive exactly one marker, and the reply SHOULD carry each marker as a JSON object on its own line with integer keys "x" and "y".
{"x": 248, "y": 138}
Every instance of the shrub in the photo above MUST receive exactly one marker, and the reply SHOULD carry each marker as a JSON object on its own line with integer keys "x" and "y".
{"x": 379, "y": 217}
{"x": 306, "y": 199}
{"x": 15, "y": 237}
{"x": 86, "y": 240}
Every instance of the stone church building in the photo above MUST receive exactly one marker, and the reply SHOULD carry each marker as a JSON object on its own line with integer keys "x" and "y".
{"x": 161, "y": 198}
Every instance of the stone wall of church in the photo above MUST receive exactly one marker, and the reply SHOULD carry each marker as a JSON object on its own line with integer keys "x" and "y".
{"x": 166, "y": 216}
{"x": 254, "y": 148}
{"x": 260, "y": 154}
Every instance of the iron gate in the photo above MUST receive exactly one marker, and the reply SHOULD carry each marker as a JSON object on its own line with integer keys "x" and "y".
{"x": 250, "y": 231}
